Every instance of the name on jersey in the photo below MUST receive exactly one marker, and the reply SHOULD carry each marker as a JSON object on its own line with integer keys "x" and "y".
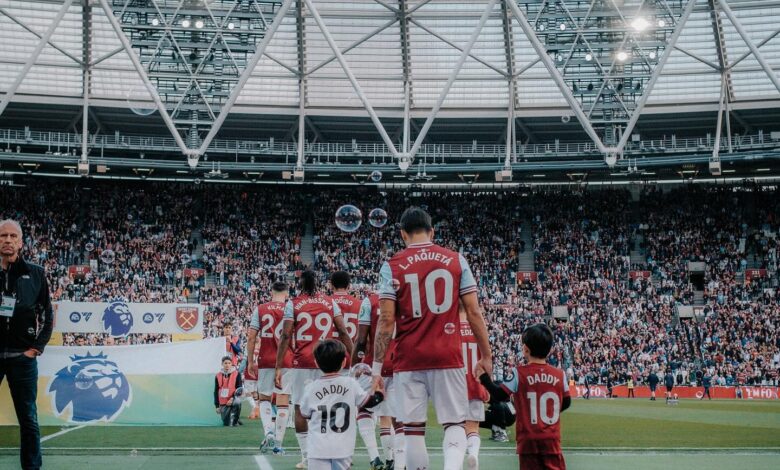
{"x": 343, "y": 301}
{"x": 426, "y": 256}
{"x": 543, "y": 378}
{"x": 313, "y": 300}
{"x": 331, "y": 390}
{"x": 465, "y": 331}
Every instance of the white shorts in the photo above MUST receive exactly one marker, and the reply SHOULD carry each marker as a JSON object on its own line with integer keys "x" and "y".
{"x": 389, "y": 406}
{"x": 476, "y": 411}
{"x": 445, "y": 387}
{"x": 300, "y": 378}
{"x": 265, "y": 383}
{"x": 250, "y": 387}
{"x": 330, "y": 464}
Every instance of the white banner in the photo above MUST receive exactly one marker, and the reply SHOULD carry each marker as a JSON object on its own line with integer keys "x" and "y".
{"x": 149, "y": 384}
{"x": 122, "y": 318}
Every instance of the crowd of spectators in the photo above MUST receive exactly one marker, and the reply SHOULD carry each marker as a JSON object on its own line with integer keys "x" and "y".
{"x": 139, "y": 240}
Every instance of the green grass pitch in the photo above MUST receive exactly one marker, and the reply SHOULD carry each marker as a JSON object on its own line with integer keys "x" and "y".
{"x": 597, "y": 434}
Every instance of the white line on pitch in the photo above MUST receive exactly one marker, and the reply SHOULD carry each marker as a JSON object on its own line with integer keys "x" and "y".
{"x": 263, "y": 463}
{"x": 60, "y": 433}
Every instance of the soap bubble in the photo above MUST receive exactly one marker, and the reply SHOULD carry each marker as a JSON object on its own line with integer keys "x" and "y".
{"x": 376, "y": 176}
{"x": 89, "y": 246}
{"x": 377, "y": 218}
{"x": 348, "y": 218}
{"x": 140, "y": 102}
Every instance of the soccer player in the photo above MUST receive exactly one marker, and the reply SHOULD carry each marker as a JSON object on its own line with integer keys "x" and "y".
{"x": 331, "y": 403}
{"x": 540, "y": 393}
{"x": 477, "y": 394}
{"x": 310, "y": 318}
{"x": 350, "y": 308}
{"x": 706, "y": 382}
{"x": 391, "y": 430}
{"x": 420, "y": 288}
{"x": 267, "y": 320}
{"x": 250, "y": 382}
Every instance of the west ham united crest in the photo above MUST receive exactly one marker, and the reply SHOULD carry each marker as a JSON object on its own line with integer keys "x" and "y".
{"x": 187, "y": 317}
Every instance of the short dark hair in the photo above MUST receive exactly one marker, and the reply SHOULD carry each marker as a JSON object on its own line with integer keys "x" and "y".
{"x": 330, "y": 355}
{"x": 279, "y": 286}
{"x": 308, "y": 282}
{"x": 539, "y": 339}
{"x": 226, "y": 358}
{"x": 415, "y": 219}
{"x": 340, "y": 279}
{"x": 227, "y": 323}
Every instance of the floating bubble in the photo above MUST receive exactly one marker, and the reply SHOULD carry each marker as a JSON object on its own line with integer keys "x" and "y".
{"x": 281, "y": 268}
{"x": 348, "y": 218}
{"x": 377, "y": 218}
{"x": 139, "y": 100}
{"x": 89, "y": 246}
{"x": 129, "y": 216}
{"x": 253, "y": 233}
{"x": 376, "y": 176}
{"x": 185, "y": 258}
{"x": 107, "y": 256}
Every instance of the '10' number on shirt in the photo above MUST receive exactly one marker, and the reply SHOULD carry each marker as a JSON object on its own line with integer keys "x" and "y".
{"x": 430, "y": 292}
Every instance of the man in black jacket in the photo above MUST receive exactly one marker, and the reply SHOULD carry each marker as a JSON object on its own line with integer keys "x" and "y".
{"x": 26, "y": 321}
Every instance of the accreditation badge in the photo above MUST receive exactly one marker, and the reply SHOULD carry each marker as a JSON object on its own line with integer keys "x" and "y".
{"x": 7, "y": 306}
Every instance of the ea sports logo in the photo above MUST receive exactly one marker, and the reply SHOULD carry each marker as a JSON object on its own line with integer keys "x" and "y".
{"x": 117, "y": 319}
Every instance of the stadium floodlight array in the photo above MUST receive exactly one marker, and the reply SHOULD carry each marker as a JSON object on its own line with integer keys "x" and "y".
{"x": 605, "y": 50}
{"x": 194, "y": 52}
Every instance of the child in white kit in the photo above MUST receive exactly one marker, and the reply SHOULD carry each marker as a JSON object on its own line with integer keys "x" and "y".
{"x": 331, "y": 404}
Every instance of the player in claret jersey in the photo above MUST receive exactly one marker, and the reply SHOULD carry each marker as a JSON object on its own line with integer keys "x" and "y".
{"x": 350, "y": 310}
{"x": 477, "y": 394}
{"x": 540, "y": 393}
{"x": 267, "y": 320}
{"x": 392, "y": 442}
{"x": 310, "y": 318}
{"x": 419, "y": 293}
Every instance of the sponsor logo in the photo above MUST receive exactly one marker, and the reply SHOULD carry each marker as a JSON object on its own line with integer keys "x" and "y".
{"x": 92, "y": 387}
{"x": 117, "y": 319}
{"x": 449, "y": 328}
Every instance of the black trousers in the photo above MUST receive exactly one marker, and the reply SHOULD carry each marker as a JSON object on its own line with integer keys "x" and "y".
{"x": 22, "y": 373}
{"x": 230, "y": 413}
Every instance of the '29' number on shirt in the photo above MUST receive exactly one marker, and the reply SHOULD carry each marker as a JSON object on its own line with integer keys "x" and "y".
{"x": 323, "y": 322}
{"x": 268, "y": 322}
{"x": 539, "y": 409}
{"x": 331, "y": 417}
{"x": 430, "y": 292}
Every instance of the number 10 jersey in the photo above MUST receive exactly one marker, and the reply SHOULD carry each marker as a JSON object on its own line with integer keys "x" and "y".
{"x": 426, "y": 282}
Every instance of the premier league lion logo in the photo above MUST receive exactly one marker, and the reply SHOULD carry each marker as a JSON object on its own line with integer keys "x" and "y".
{"x": 93, "y": 387}
{"x": 117, "y": 319}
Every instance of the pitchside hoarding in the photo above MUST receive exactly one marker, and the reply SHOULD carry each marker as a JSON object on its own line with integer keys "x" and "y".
{"x": 748, "y": 392}
{"x": 123, "y": 318}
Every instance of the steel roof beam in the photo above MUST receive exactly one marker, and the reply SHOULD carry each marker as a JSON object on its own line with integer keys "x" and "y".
{"x": 34, "y": 33}
{"x": 35, "y": 54}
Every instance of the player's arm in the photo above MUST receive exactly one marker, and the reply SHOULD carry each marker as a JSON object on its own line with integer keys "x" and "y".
{"x": 288, "y": 322}
{"x": 364, "y": 328}
{"x": 252, "y": 338}
{"x": 566, "y": 403}
{"x": 338, "y": 322}
{"x": 386, "y": 324}
{"x": 468, "y": 296}
{"x": 566, "y": 394}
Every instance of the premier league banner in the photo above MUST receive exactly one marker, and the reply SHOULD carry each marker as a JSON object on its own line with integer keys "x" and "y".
{"x": 150, "y": 384}
{"x": 122, "y": 318}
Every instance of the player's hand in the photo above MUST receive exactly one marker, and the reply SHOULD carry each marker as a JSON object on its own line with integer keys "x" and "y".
{"x": 486, "y": 364}
{"x": 378, "y": 385}
{"x": 278, "y": 379}
{"x": 479, "y": 370}
{"x": 252, "y": 367}
{"x": 217, "y": 410}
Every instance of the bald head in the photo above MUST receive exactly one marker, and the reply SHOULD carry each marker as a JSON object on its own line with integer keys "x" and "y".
{"x": 10, "y": 240}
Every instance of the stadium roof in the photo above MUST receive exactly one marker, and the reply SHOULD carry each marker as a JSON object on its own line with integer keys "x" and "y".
{"x": 387, "y": 45}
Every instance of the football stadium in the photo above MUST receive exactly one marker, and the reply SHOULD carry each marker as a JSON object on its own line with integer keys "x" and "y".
{"x": 389, "y": 234}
